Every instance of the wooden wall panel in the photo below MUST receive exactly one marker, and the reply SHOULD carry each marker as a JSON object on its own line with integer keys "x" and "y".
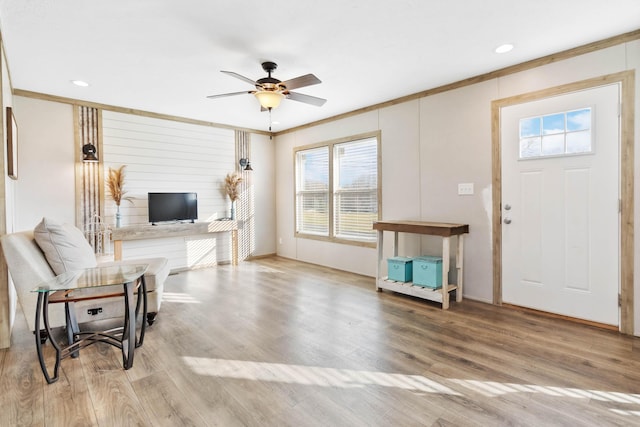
{"x": 89, "y": 176}
{"x": 245, "y": 209}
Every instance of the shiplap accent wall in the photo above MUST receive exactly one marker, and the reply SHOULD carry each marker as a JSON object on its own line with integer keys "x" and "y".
{"x": 168, "y": 156}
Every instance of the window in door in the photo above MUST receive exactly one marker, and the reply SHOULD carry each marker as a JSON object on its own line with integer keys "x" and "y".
{"x": 557, "y": 134}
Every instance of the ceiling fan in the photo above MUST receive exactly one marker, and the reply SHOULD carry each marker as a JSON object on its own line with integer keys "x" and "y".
{"x": 270, "y": 91}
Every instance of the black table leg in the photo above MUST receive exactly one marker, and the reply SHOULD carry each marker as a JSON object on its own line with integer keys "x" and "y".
{"x": 71, "y": 327}
{"x": 43, "y": 308}
{"x": 142, "y": 295}
{"x": 129, "y": 332}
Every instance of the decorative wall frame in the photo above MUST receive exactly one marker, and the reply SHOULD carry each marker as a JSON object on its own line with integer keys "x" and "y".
{"x": 12, "y": 145}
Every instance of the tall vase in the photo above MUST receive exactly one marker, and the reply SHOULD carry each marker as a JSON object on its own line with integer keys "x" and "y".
{"x": 118, "y": 217}
{"x": 233, "y": 210}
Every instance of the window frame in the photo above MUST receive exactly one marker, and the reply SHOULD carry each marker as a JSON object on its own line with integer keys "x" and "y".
{"x": 331, "y": 191}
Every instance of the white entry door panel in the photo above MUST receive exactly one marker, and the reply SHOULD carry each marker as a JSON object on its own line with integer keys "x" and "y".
{"x": 560, "y": 211}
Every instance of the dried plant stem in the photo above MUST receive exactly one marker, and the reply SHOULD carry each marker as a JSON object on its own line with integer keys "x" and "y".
{"x": 115, "y": 184}
{"x": 231, "y": 183}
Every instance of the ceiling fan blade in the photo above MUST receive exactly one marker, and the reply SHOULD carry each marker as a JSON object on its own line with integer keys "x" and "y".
{"x": 238, "y": 76}
{"x": 307, "y": 99}
{"x": 301, "y": 81}
{"x": 223, "y": 95}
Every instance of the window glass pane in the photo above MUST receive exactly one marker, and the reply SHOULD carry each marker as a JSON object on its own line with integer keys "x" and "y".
{"x": 530, "y": 147}
{"x": 562, "y": 133}
{"x": 356, "y": 193}
{"x": 553, "y": 145}
{"x": 579, "y": 142}
{"x": 530, "y": 127}
{"x": 312, "y": 191}
{"x": 314, "y": 169}
{"x": 313, "y": 217}
{"x": 579, "y": 120}
{"x": 553, "y": 124}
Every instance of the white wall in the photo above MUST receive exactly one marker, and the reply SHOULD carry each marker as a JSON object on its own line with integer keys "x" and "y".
{"x": 7, "y": 293}
{"x": 46, "y": 180}
{"x": 428, "y": 147}
{"x": 263, "y": 186}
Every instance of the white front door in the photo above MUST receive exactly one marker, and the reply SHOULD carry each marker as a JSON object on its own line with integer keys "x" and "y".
{"x": 560, "y": 204}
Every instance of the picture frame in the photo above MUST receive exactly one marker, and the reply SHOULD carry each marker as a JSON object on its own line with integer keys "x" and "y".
{"x": 12, "y": 145}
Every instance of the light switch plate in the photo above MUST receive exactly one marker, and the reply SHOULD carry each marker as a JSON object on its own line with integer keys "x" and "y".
{"x": 465, "y": 189}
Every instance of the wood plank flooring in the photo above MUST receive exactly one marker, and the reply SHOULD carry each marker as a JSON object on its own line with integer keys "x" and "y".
{"x": 275, "y": 342}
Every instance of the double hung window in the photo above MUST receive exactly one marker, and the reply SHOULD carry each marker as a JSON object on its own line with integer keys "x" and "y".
{"x": 337, "y": 189}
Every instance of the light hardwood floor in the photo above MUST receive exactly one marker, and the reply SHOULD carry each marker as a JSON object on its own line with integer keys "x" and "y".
{"x": 274, "y": 342}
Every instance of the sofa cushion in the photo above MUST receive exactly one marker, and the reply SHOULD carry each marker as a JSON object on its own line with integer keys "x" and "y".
{"x": 64, "y": 246}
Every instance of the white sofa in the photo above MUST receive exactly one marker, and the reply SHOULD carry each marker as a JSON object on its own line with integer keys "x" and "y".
{"x": 28, "y": 267}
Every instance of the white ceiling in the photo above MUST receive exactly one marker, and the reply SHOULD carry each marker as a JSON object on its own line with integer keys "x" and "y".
{"x": 165, "y": 56}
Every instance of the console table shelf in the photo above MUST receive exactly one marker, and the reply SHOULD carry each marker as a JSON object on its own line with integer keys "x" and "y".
{"x": 445, "y": 230}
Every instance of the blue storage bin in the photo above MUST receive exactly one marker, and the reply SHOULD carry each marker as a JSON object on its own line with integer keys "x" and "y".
{"x": 427, "y": 271}
{"x": 400, "y": 269}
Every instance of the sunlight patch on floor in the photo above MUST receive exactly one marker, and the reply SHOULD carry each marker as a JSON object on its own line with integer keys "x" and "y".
{"x": 625, "y": 412}
{"x": 311, "y": 375}
{"x": 493, "y": 389}
{"x": 179, "y": 297}
{"x": 350, "y": 378}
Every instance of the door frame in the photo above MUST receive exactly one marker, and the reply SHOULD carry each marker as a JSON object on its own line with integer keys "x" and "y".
{"x": 626, "y": 79}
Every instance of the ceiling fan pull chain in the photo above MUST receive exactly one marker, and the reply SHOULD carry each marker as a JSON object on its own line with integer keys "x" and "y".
{"x": 270, "y": 136}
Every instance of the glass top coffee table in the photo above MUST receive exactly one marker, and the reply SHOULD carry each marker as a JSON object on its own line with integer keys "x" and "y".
{"x": 90, "y": 284}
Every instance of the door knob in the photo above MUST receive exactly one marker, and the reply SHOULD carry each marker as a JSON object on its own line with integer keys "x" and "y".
{"x": 507, "y": 220}
{"x": 507, "y": 207}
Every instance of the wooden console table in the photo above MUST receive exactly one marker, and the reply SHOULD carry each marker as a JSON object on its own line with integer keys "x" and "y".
{"x": 142, "y": 232}
{"x": 445, "y": 230}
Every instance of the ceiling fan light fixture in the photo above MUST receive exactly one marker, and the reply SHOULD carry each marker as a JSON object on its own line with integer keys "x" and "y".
{"x": 269, "y": 99}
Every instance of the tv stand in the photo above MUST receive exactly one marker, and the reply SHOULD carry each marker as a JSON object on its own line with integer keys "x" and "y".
{"x": 155, "y": 231}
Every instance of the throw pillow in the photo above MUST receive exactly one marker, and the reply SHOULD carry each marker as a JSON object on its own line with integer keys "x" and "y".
{"x": 64, "y": 246}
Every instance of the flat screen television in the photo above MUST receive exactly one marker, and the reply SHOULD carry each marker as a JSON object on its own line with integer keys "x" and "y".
{"x": 164, "y": 207}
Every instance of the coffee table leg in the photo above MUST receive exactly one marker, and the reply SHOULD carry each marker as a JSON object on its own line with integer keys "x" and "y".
{"x": 42, "y": 308}
{"x": 129, "y": 332}
{"x": 71, "y": 326}
{"x": 142, "y": 296}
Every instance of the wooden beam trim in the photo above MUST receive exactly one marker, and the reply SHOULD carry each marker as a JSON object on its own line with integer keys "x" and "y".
{"x": 99, "y": 106}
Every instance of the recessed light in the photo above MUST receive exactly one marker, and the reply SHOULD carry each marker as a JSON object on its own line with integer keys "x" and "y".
{"x": 80, "y": 83}
{"x": 504, "y": 48}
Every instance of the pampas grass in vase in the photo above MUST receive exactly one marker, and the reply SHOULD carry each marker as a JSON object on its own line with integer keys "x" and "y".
{"x": 115, "y": 185}
{"x": 231, "y": 184}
